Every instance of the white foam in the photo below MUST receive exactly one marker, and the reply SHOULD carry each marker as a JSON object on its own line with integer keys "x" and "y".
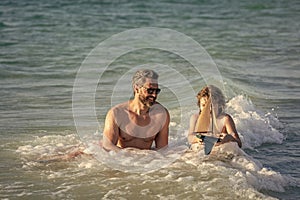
{"x": 254, "y": 127}
{"x": 138, "y": 161}
{"x": 227, "y": 168}
{"x": 239, "y": 167}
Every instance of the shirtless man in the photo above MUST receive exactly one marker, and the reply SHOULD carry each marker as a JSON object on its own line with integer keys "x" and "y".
{"x": 224, "y": 125}
{"x": 140, "y": 121}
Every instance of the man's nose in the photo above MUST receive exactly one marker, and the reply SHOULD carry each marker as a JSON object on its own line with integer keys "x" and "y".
{"x": 154, "y": 94}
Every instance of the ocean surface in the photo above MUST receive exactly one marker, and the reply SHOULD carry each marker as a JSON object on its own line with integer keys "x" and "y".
{"x": 64, "y": 63}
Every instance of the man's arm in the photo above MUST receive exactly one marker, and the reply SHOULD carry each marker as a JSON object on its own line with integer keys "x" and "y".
{"x": 161, "y": 139}
{"x": 110, "y": 133}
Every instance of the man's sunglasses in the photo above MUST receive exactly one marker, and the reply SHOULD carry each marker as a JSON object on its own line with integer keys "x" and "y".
{"x": 153, "y": 90}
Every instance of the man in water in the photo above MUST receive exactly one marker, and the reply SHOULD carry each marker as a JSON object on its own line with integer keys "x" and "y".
{"x": 140, "y": 121}
{"x": 132, "y": 124}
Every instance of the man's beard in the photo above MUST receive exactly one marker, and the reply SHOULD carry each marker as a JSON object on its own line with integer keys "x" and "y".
{"x": 147, "y": 100}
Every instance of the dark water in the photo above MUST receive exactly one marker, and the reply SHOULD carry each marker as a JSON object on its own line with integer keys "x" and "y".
{"x": 255, "y": 45}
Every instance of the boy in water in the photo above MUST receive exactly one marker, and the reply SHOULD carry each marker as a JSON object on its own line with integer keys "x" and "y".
{"x": 212, "y": 98}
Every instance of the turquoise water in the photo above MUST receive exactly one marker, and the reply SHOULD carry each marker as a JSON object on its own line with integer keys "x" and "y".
{"x": 254, "y": 44}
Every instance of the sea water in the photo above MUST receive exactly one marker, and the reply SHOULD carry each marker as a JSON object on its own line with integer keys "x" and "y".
{"x": 254, "y": 45}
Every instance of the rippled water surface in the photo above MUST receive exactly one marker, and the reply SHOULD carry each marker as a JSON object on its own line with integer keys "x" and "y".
{"x": 255, "y": 46}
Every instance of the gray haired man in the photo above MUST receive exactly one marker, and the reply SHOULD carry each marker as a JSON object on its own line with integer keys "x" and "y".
{"x": 140, "y": 121}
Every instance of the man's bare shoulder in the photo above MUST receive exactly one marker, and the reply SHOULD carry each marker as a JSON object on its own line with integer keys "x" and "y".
{"x": 118, "y": 110}
{"x": 157, "y": 105}
{"x": 121, "y": 106}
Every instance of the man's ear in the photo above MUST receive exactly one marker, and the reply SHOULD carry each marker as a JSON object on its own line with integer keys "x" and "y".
{"x": 135, "y": 88}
